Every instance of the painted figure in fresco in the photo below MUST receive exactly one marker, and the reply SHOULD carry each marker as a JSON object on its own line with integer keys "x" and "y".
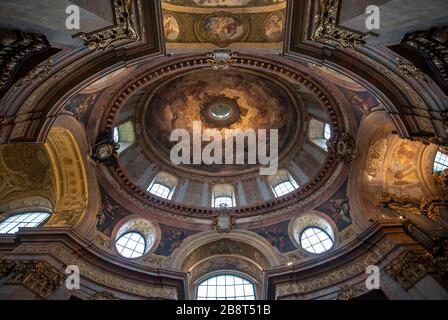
{"x": 340, "y": 211}
{"x": 108, "y": 217}
{"x": 274, "y": 27}
{"x": 223, "y": 28}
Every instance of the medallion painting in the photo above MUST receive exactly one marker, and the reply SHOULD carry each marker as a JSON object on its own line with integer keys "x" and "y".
{"x": 171, "y": 27}
{"x": 222, "y": 29}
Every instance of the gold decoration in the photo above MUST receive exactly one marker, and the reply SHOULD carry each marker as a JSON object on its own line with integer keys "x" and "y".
{"x": 224, "y": 221}
{"x": 67, "y": 163}
{"x": 327, "y": 31}
{"x": 37, "y": 277}
{"x": 103, "y": 295}
{"x": 221, "y": 59}
{"x": 408, "y": 70}
{"x": 6, "y": 268}
{"x": 345, "y": 147}
{"x": 429, "y": 207}
{"x": 338, "y": 275}
{"x": 442, "y": 142}
{"x": 347, "y": 292}
{"x": 441, "y": 178}
{"x": 411, "y": 268}
{"x": 123, "y": 31}
{"x": 37, "y": 74}
{"x": 96, "y": 274}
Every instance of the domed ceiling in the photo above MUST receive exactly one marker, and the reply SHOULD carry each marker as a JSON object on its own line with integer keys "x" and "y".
{"x": 219, "y": 100}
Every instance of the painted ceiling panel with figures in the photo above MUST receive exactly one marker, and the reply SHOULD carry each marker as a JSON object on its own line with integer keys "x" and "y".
{"x": 242, "y": 24}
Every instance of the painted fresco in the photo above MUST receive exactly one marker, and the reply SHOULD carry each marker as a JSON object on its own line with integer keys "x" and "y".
{"x": 278, "y": 236}
{"x": 338, "y": 208}
{"x": 171, "y": 239}
{"x": 171, "y": 27}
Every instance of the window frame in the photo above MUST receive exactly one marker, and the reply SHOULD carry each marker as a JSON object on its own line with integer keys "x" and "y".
{"x": 170, "y": 190}
{"x": 225, "y": 273}
{"x": 320, "y": 241}
{"x": 133, "y": 250}
{"x": 23, "y": 212}
{"x": 436, "y": 163}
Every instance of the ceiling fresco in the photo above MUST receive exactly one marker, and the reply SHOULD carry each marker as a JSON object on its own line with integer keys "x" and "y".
{"x": 237, "y": 24}
{"x": 230, "y": 100}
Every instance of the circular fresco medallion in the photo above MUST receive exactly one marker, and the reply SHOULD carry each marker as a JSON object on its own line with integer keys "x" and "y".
{"x": 273, "y": 27}
{"x": 221, "y": 29}
{"x": 171, "y": 27}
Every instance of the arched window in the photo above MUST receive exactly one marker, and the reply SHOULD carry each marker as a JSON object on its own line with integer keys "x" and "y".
{"x": 223, "y": 196}
{"x": 23, "y": 220}
{"x": 315, "y": 240}
{"x": 124, "y": 135}
{"x": 440, "y": 162}
{"x": 282, "y": 183}
{"x": 131, "y": 245}
{"x": 135, "y": 238}
{"x": 163, "y": 185}
{"x": 226, "y": 287}
{"x": 319, "y": 133}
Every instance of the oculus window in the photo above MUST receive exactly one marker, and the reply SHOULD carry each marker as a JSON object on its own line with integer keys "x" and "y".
{"x": 131, "y": 245}
{"x": 315, "y": 240}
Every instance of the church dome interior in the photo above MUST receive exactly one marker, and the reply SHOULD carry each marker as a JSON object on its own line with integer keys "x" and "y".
{"x": 223, "y": 150}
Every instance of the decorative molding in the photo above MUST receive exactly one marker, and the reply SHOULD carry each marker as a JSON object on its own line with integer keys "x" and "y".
{"x": 345, "y": 148}
{"x": 35, "y": 276}
{"x": 100, "y": 276}
{"x": 411, "y": 268}
{"x": 326, "y": 28}
{"x": 441, "y": 179}
{"x": 409, "y": 70}
{"x": 440, "y": 141}
{"x": 103, "y": 295}
{"x": 221, "y": 59}
{"x": 22, "y": 46}
{"x": 224, "y": 221}
{"x": 123, "y": 31}
{"x": 348, "y": 292}
{"x": 338, "y": 275}
{"x": 429, "y": 207}
{"x": 37, "y": 74}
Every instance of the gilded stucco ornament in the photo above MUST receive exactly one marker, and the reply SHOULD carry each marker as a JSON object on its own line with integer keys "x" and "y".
{"x": 348, "y": 292}
{"x": 39, "y": 73}
{"x": 223, "y": 221}
{"x": 411, "y": 268}
{"x": 123, "y": 31}
{"x": 103, "y": 295}
{"x": 36, "y": 276}
{"x": 345, "y": 147}
{"x": 326, "y": 29}
{"x": 442, "y": 142}
{"x": 409, "y": 70}
{"x": 441, "y": 179}
{"x": 221, "y": 59}
{"x": 429, "y": 207}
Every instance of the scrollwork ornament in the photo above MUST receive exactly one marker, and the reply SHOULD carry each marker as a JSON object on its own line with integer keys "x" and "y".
{"x": 221, "y": 59}
{"x": 224, "y": 221}
{"x": 326, "y": 28}
{"x": 123, "y": 31}
{"x": 429, "y": 207}
{"x": 344, "y": 147}
{"x": 411, "y": 268}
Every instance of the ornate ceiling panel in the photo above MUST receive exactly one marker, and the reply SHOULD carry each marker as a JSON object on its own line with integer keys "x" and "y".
{"x": 237, "y": 24}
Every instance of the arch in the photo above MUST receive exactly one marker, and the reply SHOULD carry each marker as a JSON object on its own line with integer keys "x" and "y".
{"x": 71, "y": 191}
{"x": 273, "y": 257}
